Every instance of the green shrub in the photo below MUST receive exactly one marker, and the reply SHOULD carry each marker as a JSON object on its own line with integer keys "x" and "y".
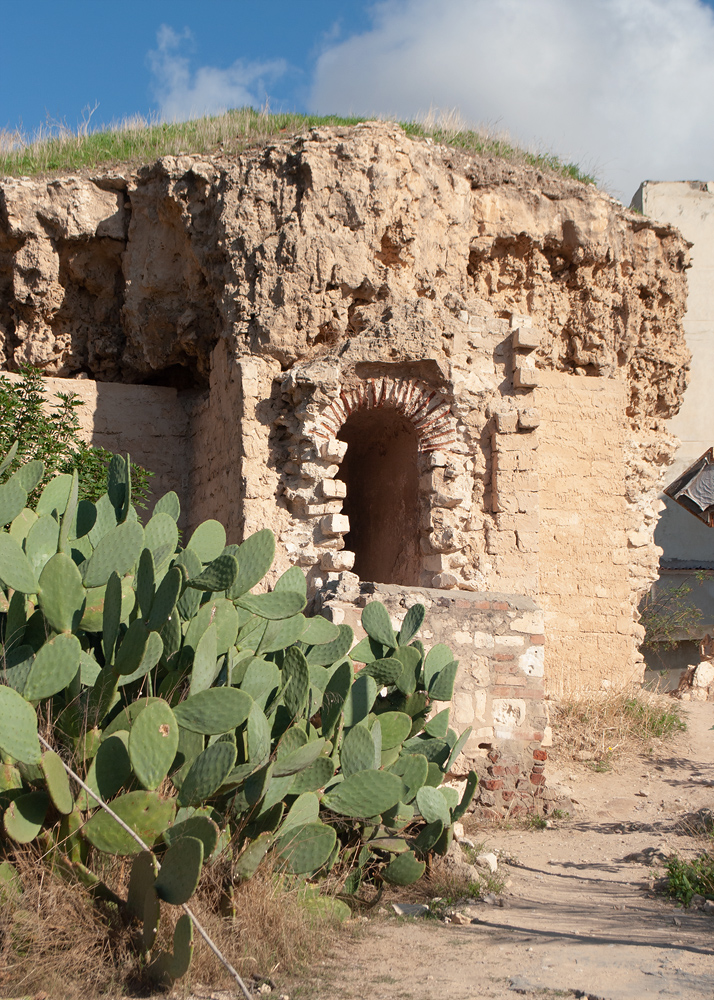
{"x": 689, "y": 877}
{"x": 51, "y": 434}
{"x": 217, "y": 721}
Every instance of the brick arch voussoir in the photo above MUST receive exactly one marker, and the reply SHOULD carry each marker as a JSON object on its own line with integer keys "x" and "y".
{"x": 426, "y": 409}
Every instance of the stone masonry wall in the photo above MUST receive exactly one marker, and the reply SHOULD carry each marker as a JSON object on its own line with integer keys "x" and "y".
{"x": 149, "y": 422}
{"x": 499, "y": 642}
{"x": 586, "y": 590}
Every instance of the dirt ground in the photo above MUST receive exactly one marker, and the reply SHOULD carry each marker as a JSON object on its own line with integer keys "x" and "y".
{"x": 578, "y": 919}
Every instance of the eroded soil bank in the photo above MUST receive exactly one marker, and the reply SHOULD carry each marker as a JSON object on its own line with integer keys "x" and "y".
{"x": 578, "y": 918}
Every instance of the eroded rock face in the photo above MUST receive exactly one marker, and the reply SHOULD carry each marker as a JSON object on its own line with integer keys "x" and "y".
{"x": 357, "y": 241}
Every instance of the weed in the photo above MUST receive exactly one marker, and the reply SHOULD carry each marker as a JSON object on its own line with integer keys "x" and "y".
{"x": 689, "y": 877}
{"x": 559, "y": 814}
{"x": 535, "y": 823}
{"x": 57, "y": 148}
{"x": 608, "y": 725}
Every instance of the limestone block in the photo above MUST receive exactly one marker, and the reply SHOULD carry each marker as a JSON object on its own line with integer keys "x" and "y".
{"x": 528, "y": 419}
{"x": 333, "y": 450}
{"x": 532, "y": 662}
{"x": 483, "y": 640}
{"x": 338, "y": 561}
{"x": 517, "y": 320}
{"x": 526, "y": 377}
{"x": 704, "y": 674}
{"x": 527, "y": 338}
{"x": 445, "y": 581}
{"x": 436, "y": 460}
{"x": 333, "y": 488}
{"x": 463, "y": 708}
{"x": 435, "y": 563}
{"x": 531, "y": 621}
{"x": 335, "y": 524}
{"x": 507, "y": 422}
{"x": 508, "y": 712}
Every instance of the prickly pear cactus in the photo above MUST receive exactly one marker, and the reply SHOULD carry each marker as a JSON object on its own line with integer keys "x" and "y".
{"x": 211, "y": 720}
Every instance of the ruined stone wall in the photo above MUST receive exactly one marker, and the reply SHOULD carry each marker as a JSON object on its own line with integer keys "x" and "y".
{"x": 362, "y": 268}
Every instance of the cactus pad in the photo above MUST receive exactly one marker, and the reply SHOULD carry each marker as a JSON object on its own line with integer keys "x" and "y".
{"x": 25, "y": 815}
{"x": 357, "y": 751}
{"x": 208, "y": 540}
{"x": 319, "y": 631}
{"x": 180, "y": 871}
{"x": 15, "y": 568}
{"x": 329, "y": 652}
{"x": 117, "y": 552}
{"x": 57, "y": 782}
{"x": 396, "y": 726}
{"x": 216, "y": 711}
{"x": 362, "y": 696}
{"x": 218, "y": 575}
{"x": 201, "y": 827}
{"x": 441, "y": 687}
{"x": 246, "y": 865}
{"x": 433, "y": 805}
{"x": 143, "y": 875}
{"x": 147, "y": 813}
{"x": 376, "y": 623}
{"x": 278, "y": 604}
{"x": 255, "y": 557}
{"x": 413, "y": 621}
{"x": 301, "y": 758}
{"x": 314, "y": 777}
{"x": 365, "y": 794}
{"x": 153, "y": 742}
{"x": 306, "y": 848}
{"x": 404, "y": 869}
{"x": 55, "y": 665}
{"x": 18, "y": 727}
{"x": 207, "y": 773}
{"x": 296, "y": 677}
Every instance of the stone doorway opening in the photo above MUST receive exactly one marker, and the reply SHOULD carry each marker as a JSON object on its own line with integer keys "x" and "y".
{"x": 381, "y": 473}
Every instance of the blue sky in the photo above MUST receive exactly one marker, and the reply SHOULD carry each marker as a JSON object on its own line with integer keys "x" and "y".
{"x": 623, "y": 87}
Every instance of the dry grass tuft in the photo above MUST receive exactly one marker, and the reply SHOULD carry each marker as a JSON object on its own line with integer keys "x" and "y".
{"x": 608, "y": 725}
{"x": 56, "y": 941}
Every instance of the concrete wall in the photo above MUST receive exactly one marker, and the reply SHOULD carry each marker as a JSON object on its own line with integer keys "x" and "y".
{"x": 686, "y": 542}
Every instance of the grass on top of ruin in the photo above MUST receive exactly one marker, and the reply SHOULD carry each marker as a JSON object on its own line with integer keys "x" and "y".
{"x": 599, "y": 728}
{"x": 57, "y": 148}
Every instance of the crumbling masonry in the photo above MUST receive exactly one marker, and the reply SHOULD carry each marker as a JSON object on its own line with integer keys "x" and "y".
{"x": 438, "y": 378}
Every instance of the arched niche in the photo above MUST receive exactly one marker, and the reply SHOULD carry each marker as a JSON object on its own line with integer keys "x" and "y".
{"x": 381, "y": 473}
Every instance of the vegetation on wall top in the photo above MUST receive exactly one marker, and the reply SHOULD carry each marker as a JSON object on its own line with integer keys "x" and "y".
{"x": 138, "y": 141}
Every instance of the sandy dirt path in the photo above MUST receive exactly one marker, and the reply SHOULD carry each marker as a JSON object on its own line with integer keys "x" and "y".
{"x": 578, "y": 919}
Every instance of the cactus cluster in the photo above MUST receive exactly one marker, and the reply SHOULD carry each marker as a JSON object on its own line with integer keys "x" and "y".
{"x": 214, "y": 720}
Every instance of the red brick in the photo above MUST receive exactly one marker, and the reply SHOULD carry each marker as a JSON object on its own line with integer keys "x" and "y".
{"x": 481, "y": 605}
{"x": 502, "y": 770}
{"x": 538, "y": 640}
{"x": 540, "y": 755}
{"x": 462, "y": 604}
{"x": 537, "y": 779}
{"x": 504, "y": 657}
{"x": 494, "y": 755}
{"x": 500, "y": 606}
{"x": 507, "y": 691}
{"x": 507, "y": 796}
{"x": 492, "y": 784}
{"x": 538, "y": 768}
{"x": 513, "y": 680}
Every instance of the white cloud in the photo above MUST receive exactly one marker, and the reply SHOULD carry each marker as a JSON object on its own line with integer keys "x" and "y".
{"x": 623, "y": 87}
{"x": 182, "y": 94}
